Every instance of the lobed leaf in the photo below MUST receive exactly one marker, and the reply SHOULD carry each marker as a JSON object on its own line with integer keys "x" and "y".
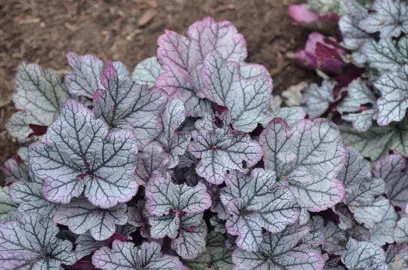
{"x": 124, "y": 255}
{"x": 308, "y": 157}
{"x": 255, "y": 202}
{"x": 81, "y": 216}
{"x": 78, "y": 155}
{"x": 363, "y": 255}
{"x": 31, "y": 243}
{"x": 147, "y": 71}
{"x": 221, "y": 150}
{"x": 317, "y": 98}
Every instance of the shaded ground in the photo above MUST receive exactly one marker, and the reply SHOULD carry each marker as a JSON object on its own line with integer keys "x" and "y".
{"x": 44, "y": 31}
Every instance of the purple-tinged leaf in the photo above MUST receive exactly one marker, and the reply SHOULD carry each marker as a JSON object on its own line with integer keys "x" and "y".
{"x": 255, "y": 202}
{"x": 40, "y": 95}
{"x": 83, "y": 79}
{"x": 163, "y": 197}
{"x": 397, "y": 256}
{"x": 165, "y": 226}
{"x": 126, "y": 256}
{"x": 336, "y": 239}
{"x": 279, "y": 251}
{"x": 359, "y": 106}
{"x": 317, "y": 98}
{"x": 316, "y": 235}
{"x": 190, "y": 242}
{"x": 153, "y": 161}
{"x": 247, "y": 99}
{"x": 291, "y": 115}
{"x": 217, "y": 206}
{"x": 6, "y": 204}
{"x": 392, "y": 169}
{"x": 81, "y": 216}
{"x": 16, "y": 168}
{"x": 322, "y": 53}
{"x": 370, "y": 212}
{"x": 182, "y": 59}
{"x": 394, "y": 93}
{"x": 123, "y": 104}
{"x": 147, "y": 71}
{"x": 174, "y": 142}
{"x": 222, "y": 150}
{"x": 383, "y": 232}
{"x": 390, "y": 18}
{"x": 78, "y": 154}
{"x": 30, "y": 198}
{"x": 363, "y": 255}
{"x": 302, "y": 15}
{"x": 311, "y": 176}
{"x": 401, "y": 230}
{"x": 387, "y": 55}
{"x": 217, "y": 255}
{"x": 208, "y": 35}
{"x": 31, "y": 243}
{"x": 353, "y": 36}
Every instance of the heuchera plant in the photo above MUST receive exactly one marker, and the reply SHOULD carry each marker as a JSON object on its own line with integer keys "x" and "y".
{"x": 364, "y": 91}
{"x": 183, "y": 165}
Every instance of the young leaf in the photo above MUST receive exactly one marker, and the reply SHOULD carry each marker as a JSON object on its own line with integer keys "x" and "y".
{"x": 317, "y": 98}
{"x": 392, "y": 169}
{"x": 394, "y": 91}
{"x": 147, "y": 71}
{"x": 255, "y": 202}
{"x": 353, "y": 107}
{"x": 123, "y": 104}
{"x": 363, "y": 255}
{"x": 217, "y": 256}
{"x": 124, "y": 255}
{"x": 390, "y": 18}
{"x": 151, "y": 162}
{"x": 280, "y": 251}
{"x": 32, "y": 244}
{"x": 6, "y": 204}
{"x": 79, "y": 155}
{"x": 310, "y": 175}
{"x": 81, "y": 216}
{"x": 174, "y": 142}
{"x": 248, "y": 99}
{"x": 40, "y": 94}
{"x": 221, "y": 150}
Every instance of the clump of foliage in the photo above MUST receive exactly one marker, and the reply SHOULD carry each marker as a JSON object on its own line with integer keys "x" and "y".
{"x": 364, "y": 66}
{"x": 184, "y": 165}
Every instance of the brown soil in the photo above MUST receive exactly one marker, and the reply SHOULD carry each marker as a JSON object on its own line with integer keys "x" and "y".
{"x": 43, "y": 31}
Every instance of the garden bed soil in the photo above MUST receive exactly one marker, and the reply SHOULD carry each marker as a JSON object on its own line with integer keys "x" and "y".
{"x": 43, "y": 31}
